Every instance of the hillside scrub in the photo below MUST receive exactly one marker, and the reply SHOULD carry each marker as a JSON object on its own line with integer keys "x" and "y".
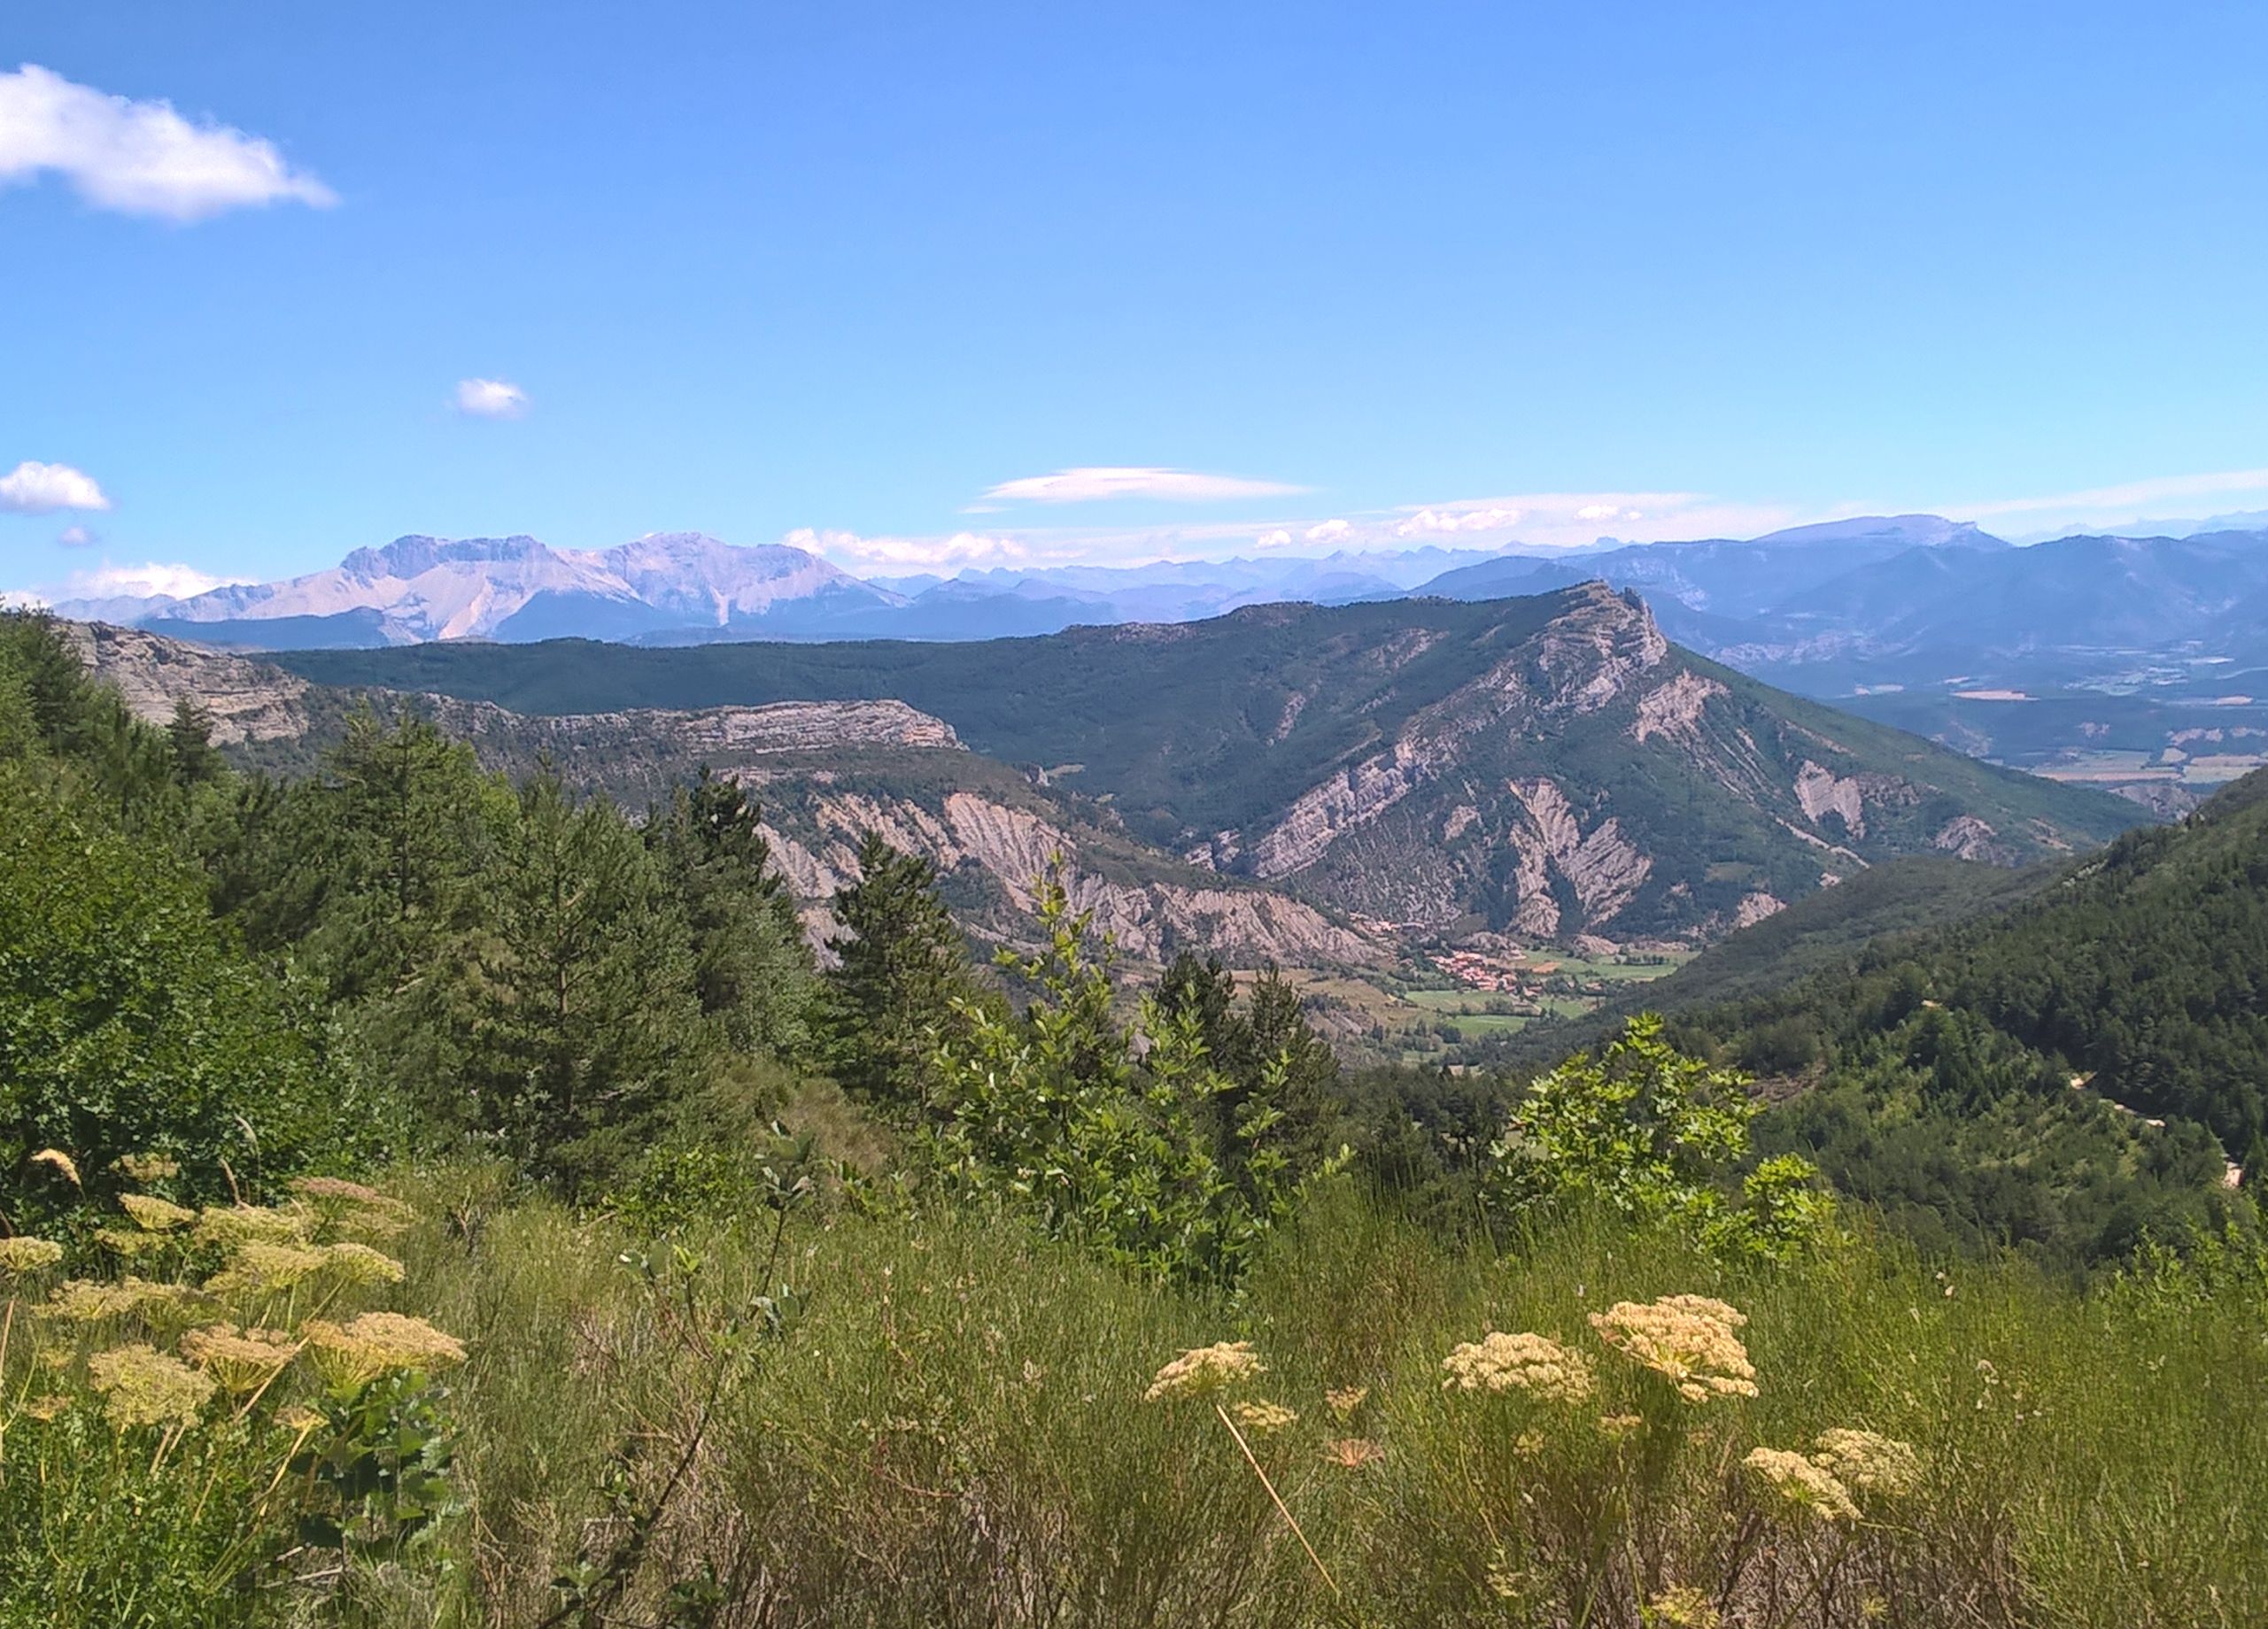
{"x": 890, "y": 1419}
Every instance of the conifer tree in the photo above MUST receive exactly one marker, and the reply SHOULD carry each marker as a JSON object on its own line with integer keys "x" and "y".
{"x": 585, "y": 1020}
{"x": 901, "y": 965}
{"x": 751, "y": 965}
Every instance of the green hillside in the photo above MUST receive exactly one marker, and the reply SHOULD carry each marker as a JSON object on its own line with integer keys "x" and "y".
{"x": 2073, "y": 1069}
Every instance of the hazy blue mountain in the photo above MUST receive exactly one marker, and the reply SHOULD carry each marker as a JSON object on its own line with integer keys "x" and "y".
{"x": 419, "y": 588}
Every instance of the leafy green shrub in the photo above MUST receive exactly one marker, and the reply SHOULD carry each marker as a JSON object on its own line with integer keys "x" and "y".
{"x": 1655, "y": 1136}
{"x": 130, "y": 1024}
{"x": 1102, "y": 1130}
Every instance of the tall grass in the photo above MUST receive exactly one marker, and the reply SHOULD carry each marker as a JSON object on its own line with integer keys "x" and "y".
{"x": 944, "y": 1424}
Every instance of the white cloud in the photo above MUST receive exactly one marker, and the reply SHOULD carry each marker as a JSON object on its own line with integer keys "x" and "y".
{"x": 1453, "y": 523}
{"x": 147, "y": 581}
{"x": 42, "y": 489}
{"x": 1540, "y": 520}
{"x": 139, "y": 157}
{"x": 1095, "y": 483}
{"x": 892, "y": 554}
{"x": 77, "y": 537}
{"x": 491, "y": 399}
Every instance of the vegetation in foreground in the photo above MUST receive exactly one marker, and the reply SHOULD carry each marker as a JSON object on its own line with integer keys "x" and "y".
{"x": 1064, "y": 1315}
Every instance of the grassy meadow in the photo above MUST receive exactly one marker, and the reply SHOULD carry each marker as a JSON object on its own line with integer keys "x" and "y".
{"x": 842, "y": 1412}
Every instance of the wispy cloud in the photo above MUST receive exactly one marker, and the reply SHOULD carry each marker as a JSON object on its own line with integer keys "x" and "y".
{"x": 139, "y": 157}
{"x": 2114, "y": 504}
{"x": 77, "y": 537}
{"x": 1532, "y": 519}
{"x": 1572, "y": 520}
{"x": 491, "y": 399}
{"x": 1095, "y": 484}
{"x": 33, "y": 488}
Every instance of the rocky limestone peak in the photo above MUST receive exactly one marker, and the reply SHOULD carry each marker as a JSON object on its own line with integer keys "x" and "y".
{"x": 415, "y": 554}
{"x": 1593, "y": 650}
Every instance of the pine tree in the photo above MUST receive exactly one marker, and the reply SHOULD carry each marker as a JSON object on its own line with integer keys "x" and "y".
{"x": 585, "y": 1021}
{"x": 752, "y": 966}
{"x": 901, "y": 965}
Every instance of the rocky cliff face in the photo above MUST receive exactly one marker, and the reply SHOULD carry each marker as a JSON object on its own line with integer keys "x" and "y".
{"x": 248, "y": 701}
{"x": 990, "y": 848}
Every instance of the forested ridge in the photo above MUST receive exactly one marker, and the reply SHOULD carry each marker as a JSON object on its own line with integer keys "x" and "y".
{"x": 440, "y": 1197}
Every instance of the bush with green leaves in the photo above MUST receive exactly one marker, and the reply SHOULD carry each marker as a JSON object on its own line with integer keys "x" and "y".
{"x": 1656, "y": 1137}
{"x": 130, "y": 1022}
{"x": 1105, "y": 1131}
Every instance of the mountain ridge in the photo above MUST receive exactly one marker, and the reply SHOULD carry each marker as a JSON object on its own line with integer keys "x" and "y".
{"x": 1550, "y": 768}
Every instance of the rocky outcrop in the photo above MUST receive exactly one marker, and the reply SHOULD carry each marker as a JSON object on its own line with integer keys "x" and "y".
{"x": 247, "y": 701}
{"x": 1821, "y": 791}
{"x": 721, "y": 733}
{"x": 1967, "y": 837}
{"x": 1318, "y": 815}
{"x": 989, "y": 849}
{"x": 1674, "y": 710}
{"x": 1601, "y": 865}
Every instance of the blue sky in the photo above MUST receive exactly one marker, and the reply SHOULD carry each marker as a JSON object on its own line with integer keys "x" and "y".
{"x": 839, "y": 271}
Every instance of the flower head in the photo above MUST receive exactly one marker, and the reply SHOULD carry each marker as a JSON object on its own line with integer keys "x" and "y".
{"x": 241, "y": 1360}
{"x": 153, "y": 1215}
{"x": 361, "y": 1265}
{"x": 130, "y": 1240}
{"x": 89, "y": 1300}
{"x": 1263, "y": 1417}
{"x": 350, "y": 1204}
{"x": 1346, "y": 1399}
{"x": 1205, "y": 1369}
{"x": 1533, "y": 1363}
{"x": 47, "y": 1406}
{"x": 1353, "y": 1453}
{"x": 21, "y": 1256}
{"x": 1803, "y": 1485}
{"x": 261, "y": 1268}
{"x": 141, "y": 1386}
{"x": 378, "y": 1343}
{"x": 61, "y": 1163}
{"x": 1687, "y": 1339}
{"x": 1869, "y": 1462}
{"x": 237, "y": 1224}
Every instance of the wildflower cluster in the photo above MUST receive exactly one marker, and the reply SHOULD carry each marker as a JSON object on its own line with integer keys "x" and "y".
{"x": 1533, "y": 1363}
{"x": 1690, "y": 1340}
{"x": 1263, "y": 1416}
{"x": 241, "y": 1359}
{"x": 20, "y": 1257}
{"x": 354, "y": 1354}
{"x": 1206, "y": 1369}
{"x": 141, "y": 1386}
{"x": 153, "y": 1215}
{"x": 1802, "y": 1484}
{"x": 1869, "y": 1462}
